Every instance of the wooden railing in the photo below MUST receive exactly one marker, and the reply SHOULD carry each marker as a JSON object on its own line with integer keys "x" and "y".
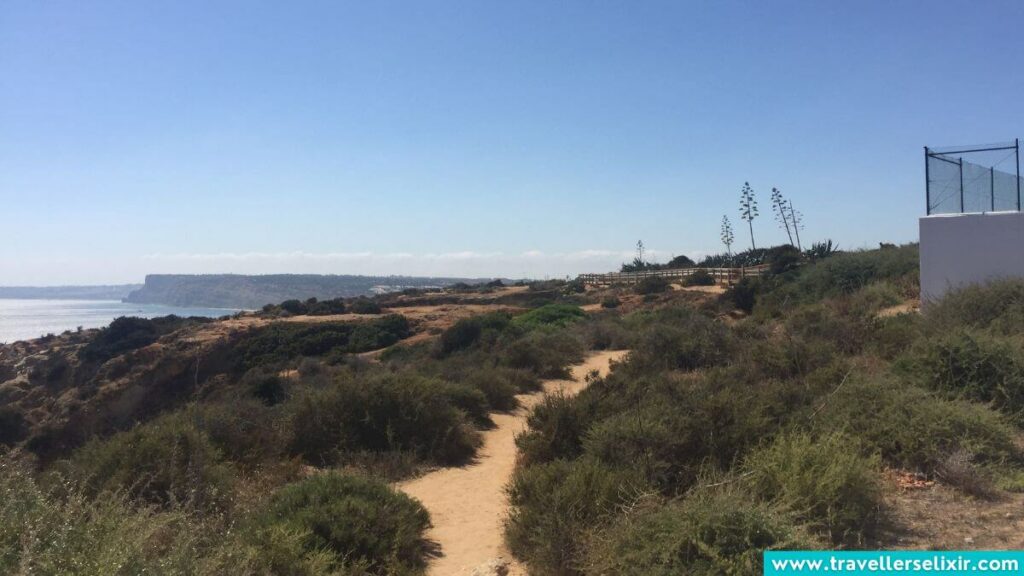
{"x": 726, "y": 276}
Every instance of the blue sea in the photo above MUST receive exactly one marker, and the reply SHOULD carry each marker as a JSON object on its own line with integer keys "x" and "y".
{"x": 26, "y": 319}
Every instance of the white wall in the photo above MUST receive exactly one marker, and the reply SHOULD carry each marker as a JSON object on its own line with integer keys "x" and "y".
{"x": 960, "y": 249}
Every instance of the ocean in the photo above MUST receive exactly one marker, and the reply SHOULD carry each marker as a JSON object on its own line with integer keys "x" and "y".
{"x": 25, "y": 319}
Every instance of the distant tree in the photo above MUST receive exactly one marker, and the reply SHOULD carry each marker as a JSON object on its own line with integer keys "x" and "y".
{"x": 779, "y": 206}
{"x": 639, "y": 250}
{"x": 293, "y": 307}
{"x": 681, "y": 261}
{"x": 748, "y": 210}
{"x": 727, "y": 235}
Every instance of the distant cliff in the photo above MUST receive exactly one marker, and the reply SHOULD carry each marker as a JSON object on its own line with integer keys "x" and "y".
{"x": 240, "y": 291}
{"x": 114, "y": 292}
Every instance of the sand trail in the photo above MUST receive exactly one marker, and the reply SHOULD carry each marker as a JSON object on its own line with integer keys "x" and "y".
{"x": 467, "y": 505}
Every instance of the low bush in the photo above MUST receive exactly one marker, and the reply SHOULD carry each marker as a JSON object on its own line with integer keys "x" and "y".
{"x": 849, "y": 272}
{"x": 295, "y": 307}
{"x": 345, "y": 524}
{"x": 828, "y": 483}
{"x": 974, "y": 366}
{"x": 559, "y": 315}
{"x": 243, "y": 430}
{"x": 326, "y": 307}
{"x": 383, "y": 413}
{"x": 605, "y": 333}
{"x": 682, "y": 339}
{"x": 743, "y": 295}
{"x": 998, "y": 305}
{"x": 467, "y": 332}
{"x": 959, "y": 470}
{"x": 673, "y": 431}
{"x": 166, "y": 462}
{"x": 611, "y": 302}
{"x": 266, "y": 384}
{"x": 555, "y": 504}
{"x": 66, "y": 531}
{"x": 709, "y": 533}
{"x": 284, "y": 341}
{"x": 364, "y": 306}
{"x": 13, "y": 427}
{"x": 700, "y": 277}
{"x": 912, "y": 428}
{"x": 545, "y": 353}
{"x": 555, "y": 430}
{"x": 782, "y": 258}
{"x": 499, "y": 385}
{"x": 652, "y": 285}
{"x": 129, "y": 333}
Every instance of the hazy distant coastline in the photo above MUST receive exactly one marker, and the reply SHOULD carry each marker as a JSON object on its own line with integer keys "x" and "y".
{"x": 254, "y": 291}
{"x": 107, "y": 292}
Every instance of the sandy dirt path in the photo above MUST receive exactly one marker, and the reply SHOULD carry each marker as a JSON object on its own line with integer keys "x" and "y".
{"x": 467, "y": 505}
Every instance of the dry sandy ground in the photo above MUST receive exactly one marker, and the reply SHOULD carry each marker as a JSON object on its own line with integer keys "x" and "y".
{"x": 908, "y": 307}
{"x": 467, "y": 505}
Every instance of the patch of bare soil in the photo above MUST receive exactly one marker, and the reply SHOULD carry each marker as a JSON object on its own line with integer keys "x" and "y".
{"x": 468, "y": 505}
{"x": 939, "y": 517}
{"x": 715, "y": 289}
{"x": 908, "y": 307}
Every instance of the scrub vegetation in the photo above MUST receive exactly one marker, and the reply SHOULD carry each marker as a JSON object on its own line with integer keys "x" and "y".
{"x": 766, "y": 417}
{"x": 722, "y": 437}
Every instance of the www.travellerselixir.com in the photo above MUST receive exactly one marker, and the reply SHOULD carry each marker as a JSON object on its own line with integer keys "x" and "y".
{"x": 895, "y": 562}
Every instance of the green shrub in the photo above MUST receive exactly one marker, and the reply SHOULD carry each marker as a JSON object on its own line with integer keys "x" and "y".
{"x": 828, "y": 483}
{"x": 13, "y": 427}
{"x": 547, "y": 354}
{"x": 554, "y": 504}
{"x": 283, "y": 341}
{"x": 555, "y": 430}
{"x": 671, "y": 438}
{"x": 782, "y": 258}
{"x": 499, "y": 385}
{"x": 743, "y": 295}
{"x": 363, "y": 526}
{"x": 894, "y": 335}
{"x": 467, "y": 332}
{"x": 364, "y": 305}
{"x": 124, "y": 334}
{"x": 66, "y": 531}
{"x": 709, "y": 533}
{"x": 974, "y": 366}
{"x": 611, "y": 302}
{"x": 652, "y": 285}
{"x": 684, "y": 340}
{"x": 912, "y": 428}
{"x": 824, "y": 323}
{"x": 559, "y": 315}
{"x": 243, "y": 430}
{"x": 326, "y": 307}
{"x": 166, "y": 462}
{"x": 266, "y": 384}
{"x": 381, "y": 413}
{"x": 700, "y": 277}
{"x": 850, "y": 271}
{"x": 998, "y": 305}
{"x": 874, "y": 297}
{"x": 606, "y": 333}
{"x": 293, "y": 307}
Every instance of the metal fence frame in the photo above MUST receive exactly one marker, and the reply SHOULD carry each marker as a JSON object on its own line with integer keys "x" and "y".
{"x": 930, "y": 154}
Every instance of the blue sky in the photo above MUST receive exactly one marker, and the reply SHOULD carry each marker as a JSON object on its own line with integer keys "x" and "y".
{"x": 473, "y": 138}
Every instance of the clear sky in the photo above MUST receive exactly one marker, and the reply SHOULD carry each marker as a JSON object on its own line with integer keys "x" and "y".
{"x": 473, "y": 138}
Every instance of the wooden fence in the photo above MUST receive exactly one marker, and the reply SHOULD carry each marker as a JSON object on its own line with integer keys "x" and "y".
{"x": 725, "y": 276}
